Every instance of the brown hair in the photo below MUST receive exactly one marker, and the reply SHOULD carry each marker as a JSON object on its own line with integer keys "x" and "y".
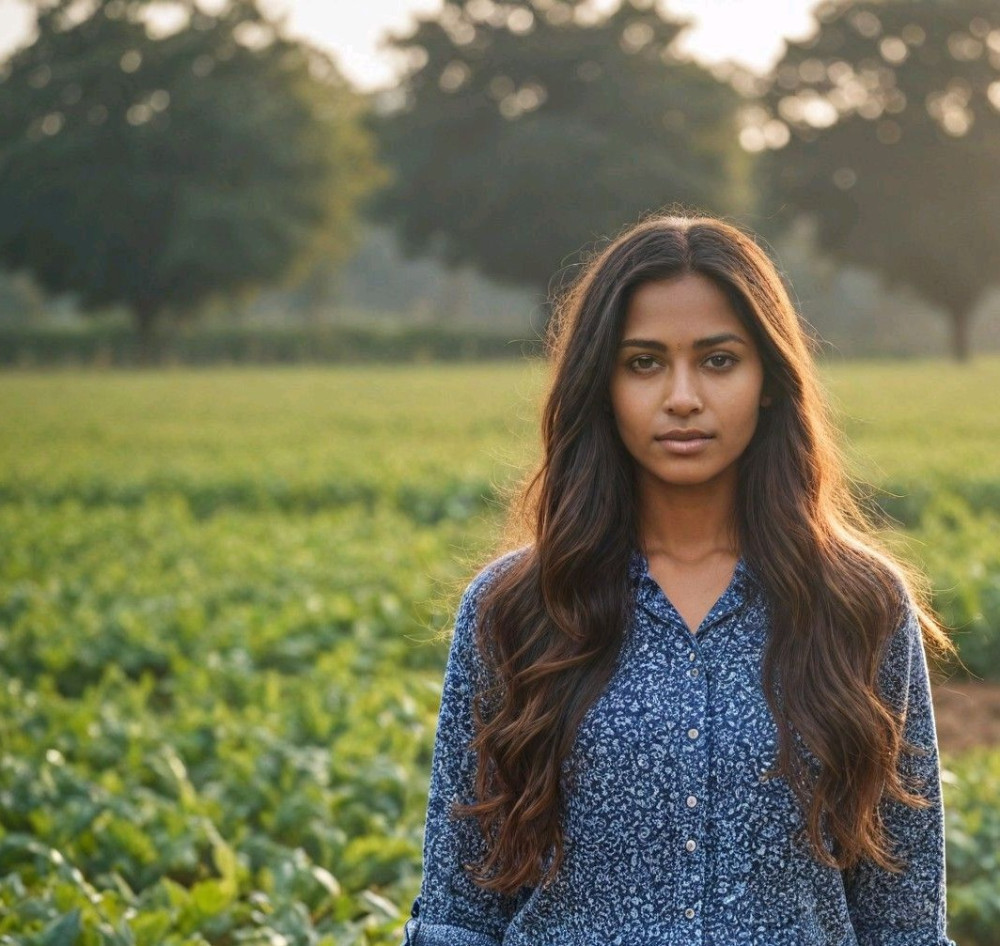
{"x": 551, "y": 625}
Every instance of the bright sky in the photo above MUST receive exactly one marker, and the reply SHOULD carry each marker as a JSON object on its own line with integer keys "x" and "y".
{"x": 747, "y": 32}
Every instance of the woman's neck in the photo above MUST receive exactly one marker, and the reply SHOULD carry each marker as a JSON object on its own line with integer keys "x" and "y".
{"x": 688, "y": 524}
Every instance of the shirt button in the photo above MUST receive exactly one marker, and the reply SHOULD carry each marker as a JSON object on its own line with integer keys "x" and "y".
{"x": 692, "y": 733}
{"x": 691, "y": 801}
{"x": 689, "y": 913}
{"x": 692, "y": 655}
{"x": 693, "y": 671}
{"x": 690, "y": 845}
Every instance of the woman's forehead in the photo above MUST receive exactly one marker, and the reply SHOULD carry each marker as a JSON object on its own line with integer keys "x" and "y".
{"x": 680, "y": 311}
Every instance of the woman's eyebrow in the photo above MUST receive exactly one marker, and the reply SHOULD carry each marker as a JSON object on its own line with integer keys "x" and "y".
{"x": 642, "y": 343}
{"x": 718, "y": 340}
{"x": 700, "y": 343}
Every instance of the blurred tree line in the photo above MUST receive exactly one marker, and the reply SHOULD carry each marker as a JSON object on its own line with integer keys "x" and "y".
{"x": 169, "y": 161}
{"x": 157, "y": 157}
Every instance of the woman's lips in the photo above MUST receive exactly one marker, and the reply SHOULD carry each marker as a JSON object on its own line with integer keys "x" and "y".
{"x": 685, "y": 444}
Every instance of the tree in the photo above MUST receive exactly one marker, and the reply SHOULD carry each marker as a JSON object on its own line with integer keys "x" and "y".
{"x": 161, "y": 170}
{"x": 884, "y": 128}
{"x": 525, "y": 130}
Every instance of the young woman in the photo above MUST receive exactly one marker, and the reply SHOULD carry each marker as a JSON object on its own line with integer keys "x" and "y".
{"x": 694, "y": 709}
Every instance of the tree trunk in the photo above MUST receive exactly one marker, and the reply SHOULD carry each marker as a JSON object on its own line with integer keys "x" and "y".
{"x": 960, "y": 324}
{"x": 145, "y": 312}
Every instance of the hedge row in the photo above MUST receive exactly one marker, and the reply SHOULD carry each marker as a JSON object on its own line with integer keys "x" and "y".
{"x": 118, "y": 346}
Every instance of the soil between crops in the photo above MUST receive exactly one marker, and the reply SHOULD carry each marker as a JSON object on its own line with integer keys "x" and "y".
{"x": 967, "y": 713}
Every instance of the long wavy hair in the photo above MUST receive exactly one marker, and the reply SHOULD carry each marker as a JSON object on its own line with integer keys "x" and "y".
{"x": 551, "y": 625}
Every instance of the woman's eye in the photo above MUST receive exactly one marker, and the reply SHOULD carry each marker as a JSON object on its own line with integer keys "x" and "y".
{"x": 721, "y": 360}
{"x": 643, "y": 362}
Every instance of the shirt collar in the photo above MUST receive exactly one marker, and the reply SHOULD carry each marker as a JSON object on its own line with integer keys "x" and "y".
{"x": 745, "y": 579}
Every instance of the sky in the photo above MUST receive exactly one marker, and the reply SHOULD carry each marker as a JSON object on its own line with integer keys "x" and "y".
{"x": 749, "y": 32}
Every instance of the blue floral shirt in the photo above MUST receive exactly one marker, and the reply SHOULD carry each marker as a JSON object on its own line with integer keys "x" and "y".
{"x": 675, "y": 834}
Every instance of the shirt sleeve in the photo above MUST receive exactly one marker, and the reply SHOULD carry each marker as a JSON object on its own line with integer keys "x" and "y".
{"x": 908, "y": 908}
{"x": 451, "y": 910}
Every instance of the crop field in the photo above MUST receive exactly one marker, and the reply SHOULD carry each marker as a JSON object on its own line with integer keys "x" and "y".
{"x": 224, "y": 604}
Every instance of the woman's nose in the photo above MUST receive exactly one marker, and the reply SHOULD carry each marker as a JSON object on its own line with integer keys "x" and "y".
{"x": 682, "y": 395}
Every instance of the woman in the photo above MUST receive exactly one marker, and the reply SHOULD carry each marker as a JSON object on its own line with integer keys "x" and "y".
{"x": 695, "y": 708}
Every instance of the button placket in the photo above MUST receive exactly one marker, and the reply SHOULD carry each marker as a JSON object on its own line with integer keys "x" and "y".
{"x": 695, "y": 750}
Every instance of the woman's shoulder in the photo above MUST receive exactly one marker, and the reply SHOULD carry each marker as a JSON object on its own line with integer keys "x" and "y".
{"x": 489, "y": 573}
{"x": 466, "y": 640}
{"x": 468, "y": 613}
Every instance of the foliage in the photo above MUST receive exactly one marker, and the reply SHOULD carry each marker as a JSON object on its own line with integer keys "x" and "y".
{"x": 972, "y": 830}
{"x": 530, "y": 129}
{"x": 157, "y": 171}
{"x": 961, "y": 551}
{"x": 235, "y": 758}
{"x": 884, "y": 128}
{"x": 222, "y": 598}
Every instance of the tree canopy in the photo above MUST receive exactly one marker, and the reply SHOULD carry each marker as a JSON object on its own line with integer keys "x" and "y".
{"x": 884, "y": 128}
{"x": 157, "y": 168}
{"x": 524, "y": 131}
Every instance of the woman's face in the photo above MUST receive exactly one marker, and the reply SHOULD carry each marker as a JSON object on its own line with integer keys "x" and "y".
{"x": 687, "y": 384}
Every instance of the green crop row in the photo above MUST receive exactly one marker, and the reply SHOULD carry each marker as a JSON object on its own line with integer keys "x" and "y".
{"x": 429, "y": 501}
{"x": 426, "y": 495}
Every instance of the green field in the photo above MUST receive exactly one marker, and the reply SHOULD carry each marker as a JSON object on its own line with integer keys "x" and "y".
{"x": 222, "y": 602}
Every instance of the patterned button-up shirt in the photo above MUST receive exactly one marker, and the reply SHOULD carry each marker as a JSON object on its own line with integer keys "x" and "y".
{"x": 675, "y": 832}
